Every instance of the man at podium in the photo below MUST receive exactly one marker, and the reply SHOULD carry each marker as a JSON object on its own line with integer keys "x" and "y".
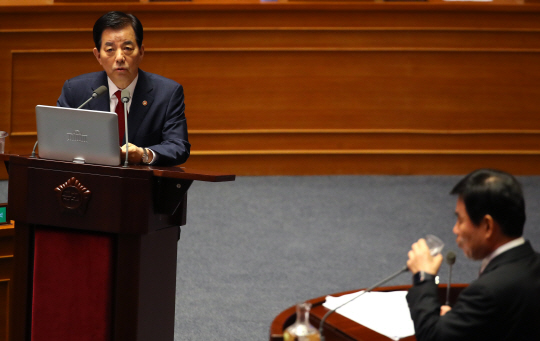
{"x": 504, "y": 302}
{"x": 156, "y": 120}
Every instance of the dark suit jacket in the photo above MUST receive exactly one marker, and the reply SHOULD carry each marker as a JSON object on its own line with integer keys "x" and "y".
{"x": 503, "y": 304}
{"x": 159, "y": 125}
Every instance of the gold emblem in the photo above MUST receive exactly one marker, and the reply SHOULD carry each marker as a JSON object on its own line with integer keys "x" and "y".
{"x": 145, "y": 103}
{"x": 73, "y": 196}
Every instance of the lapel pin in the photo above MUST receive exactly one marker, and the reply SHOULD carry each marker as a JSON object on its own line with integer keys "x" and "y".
{"x": 145, "y": 103}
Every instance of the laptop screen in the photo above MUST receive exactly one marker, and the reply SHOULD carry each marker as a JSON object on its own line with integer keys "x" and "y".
{"x": 78, "y": 135}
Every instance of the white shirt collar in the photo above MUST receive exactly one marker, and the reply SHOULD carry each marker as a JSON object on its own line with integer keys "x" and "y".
{"x": 113, "y": 101}
{"x": 503, "y": 248}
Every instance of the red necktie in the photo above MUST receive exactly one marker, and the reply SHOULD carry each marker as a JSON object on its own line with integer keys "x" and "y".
{"x": 121, "y": 120}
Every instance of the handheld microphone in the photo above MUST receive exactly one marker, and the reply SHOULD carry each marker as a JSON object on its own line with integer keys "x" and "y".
{"x": 434, "y": 248}
{"x": 450, "y": 259}
{"x": 96, "y": 93}
{"x": 125, "y": 99}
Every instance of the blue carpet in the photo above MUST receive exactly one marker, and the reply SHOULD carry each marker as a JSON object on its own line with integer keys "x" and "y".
{"x": 254, "y": 247}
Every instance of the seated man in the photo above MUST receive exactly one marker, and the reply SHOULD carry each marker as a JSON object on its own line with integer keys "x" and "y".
{"x": 504, "y": 302}
{"x": 156, "y": 122}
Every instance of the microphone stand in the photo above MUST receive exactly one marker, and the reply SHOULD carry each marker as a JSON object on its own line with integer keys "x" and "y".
{"x": 34, "y": 150}
{"x": 125, "y": 100}
{"x": 98, "y": 92}
{"x": 88, "y": 100}
{"x": 450, "y": 259}
{"x": 404, "y": 269}
{"x": 448, "y": 286}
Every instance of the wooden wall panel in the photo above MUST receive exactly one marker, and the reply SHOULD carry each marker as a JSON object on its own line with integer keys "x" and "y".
{"x": 366, "y": 162}
{"x": 283, "y": 89}
{"x": 346, "y": 37}
{"x": 85, "y": 1}
{"x": 369, "y": 140}
{"x": 230, "y": 89}
{"x": 340, "y": 89}
{"x": 29, "y": 73}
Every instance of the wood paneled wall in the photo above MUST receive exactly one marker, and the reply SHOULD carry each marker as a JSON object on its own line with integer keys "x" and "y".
{"x": 310, "y": 88}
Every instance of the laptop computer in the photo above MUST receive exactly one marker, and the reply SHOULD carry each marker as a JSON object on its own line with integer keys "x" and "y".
{"x": 78, "y": 135}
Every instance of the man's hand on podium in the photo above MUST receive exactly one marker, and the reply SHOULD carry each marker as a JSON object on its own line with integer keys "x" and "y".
{"x": 135, "y": 154}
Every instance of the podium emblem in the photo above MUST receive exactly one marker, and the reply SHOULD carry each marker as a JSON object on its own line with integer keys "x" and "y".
{"x": 73, "y": 196}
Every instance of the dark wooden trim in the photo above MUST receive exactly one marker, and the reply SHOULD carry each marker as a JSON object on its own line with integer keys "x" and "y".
{"x": 141, "y": 212}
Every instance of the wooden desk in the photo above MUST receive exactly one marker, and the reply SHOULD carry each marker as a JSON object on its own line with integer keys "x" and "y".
{"x": 339, "y": 328}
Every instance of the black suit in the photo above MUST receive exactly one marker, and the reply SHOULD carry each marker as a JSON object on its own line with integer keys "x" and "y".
{"x": 503, "y": 304}
{"x": 156, "y": 118}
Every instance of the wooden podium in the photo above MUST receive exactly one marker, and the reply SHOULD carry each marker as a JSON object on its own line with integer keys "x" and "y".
{"x": 95, "y": 249}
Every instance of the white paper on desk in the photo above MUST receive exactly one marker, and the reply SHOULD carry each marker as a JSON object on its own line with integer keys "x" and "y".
{"x": 387, "y": 313}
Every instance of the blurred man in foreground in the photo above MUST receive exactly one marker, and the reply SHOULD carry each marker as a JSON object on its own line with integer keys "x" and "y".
{"x": 504, "y": 302}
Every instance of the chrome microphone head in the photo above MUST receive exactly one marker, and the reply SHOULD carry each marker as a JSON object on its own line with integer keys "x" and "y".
{"x": 125, "y": 95}
{"x": 99, "y": 91}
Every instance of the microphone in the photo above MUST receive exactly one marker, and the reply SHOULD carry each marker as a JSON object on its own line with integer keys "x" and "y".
{"x": 450, "y": 259}
{"x": 125, "y": 99}
{"x": 435, "y": 247}
{"x": 96, "y": 93}
{"x": 125, "y": 95}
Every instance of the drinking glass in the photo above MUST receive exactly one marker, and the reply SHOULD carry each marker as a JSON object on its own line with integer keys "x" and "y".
{"x": 435, "y": 244}
{"x": 3, "y": 136}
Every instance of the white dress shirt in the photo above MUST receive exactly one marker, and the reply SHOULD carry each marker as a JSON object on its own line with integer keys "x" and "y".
{"x": 503, "y": 248}
{"x": 113, "y": 101}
